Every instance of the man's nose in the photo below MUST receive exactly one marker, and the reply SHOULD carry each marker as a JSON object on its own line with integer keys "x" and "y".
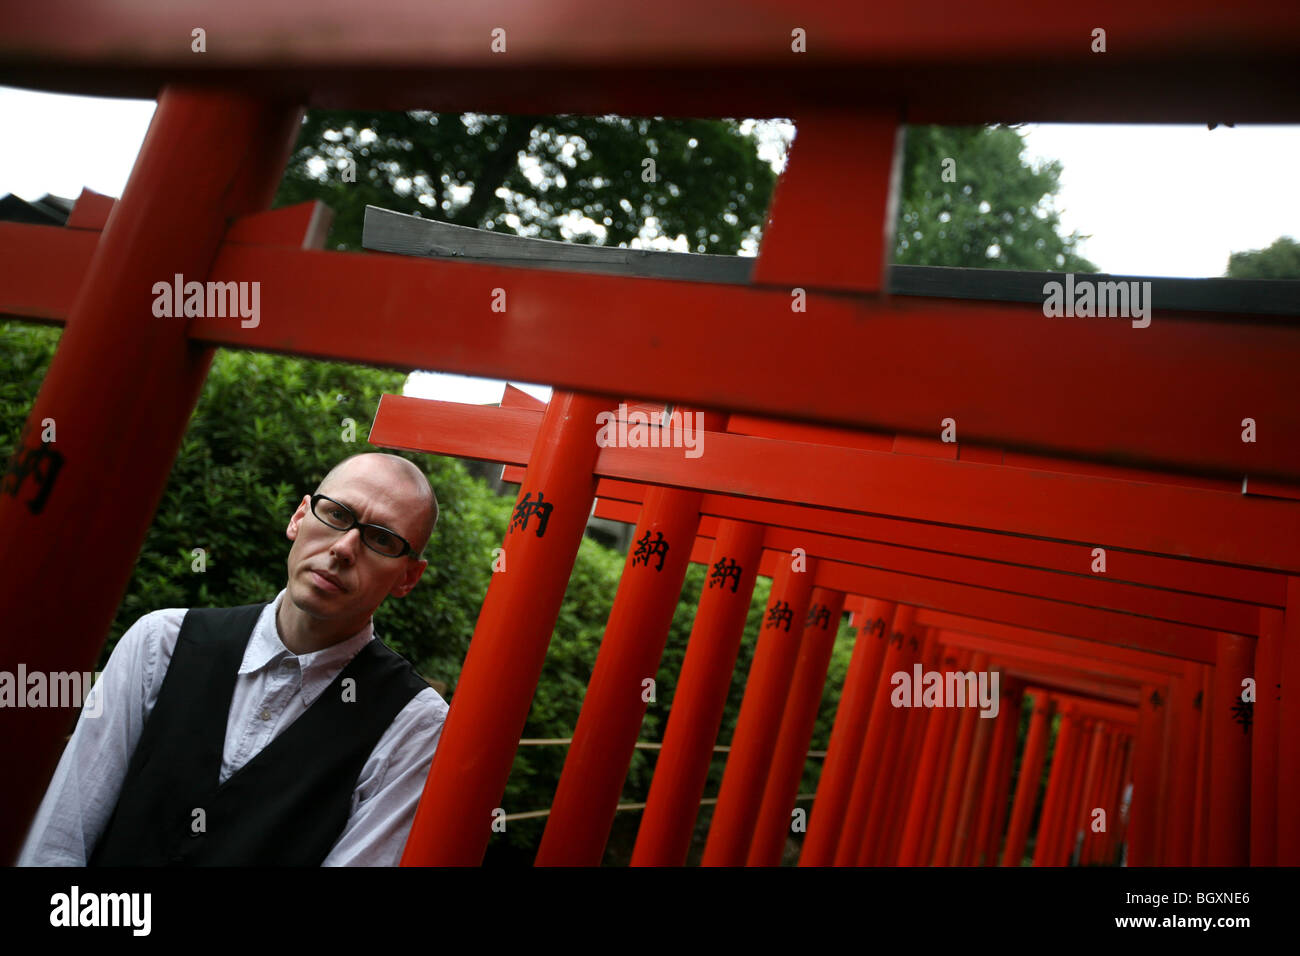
{"x": 348, "y": 544}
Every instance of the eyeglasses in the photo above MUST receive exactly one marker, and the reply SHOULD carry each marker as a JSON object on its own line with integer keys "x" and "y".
{"x": 340, "y": 518}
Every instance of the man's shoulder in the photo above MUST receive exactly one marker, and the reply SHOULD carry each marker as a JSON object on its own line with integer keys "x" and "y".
{"x": 160, "y": 626}
{"x": 155, "y": 634}
{"x": 431, "y": 701}
{"x": 164, "y": 615}
{"x": 401, "y": 665}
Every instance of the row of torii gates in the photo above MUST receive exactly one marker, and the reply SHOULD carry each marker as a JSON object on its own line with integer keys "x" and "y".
{"x": 1076, "y": 439}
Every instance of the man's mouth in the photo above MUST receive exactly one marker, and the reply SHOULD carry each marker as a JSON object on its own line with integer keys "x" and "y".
{"x": 326, "y": 581}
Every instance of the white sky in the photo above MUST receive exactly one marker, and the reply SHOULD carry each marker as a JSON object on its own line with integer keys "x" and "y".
{"x": 1157, "y": 200}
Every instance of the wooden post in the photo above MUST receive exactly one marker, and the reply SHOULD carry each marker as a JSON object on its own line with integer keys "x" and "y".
{"x": 701, "y": 695}
{"x": 462, "y": 795}
{"x": 760, "y": 719}
{"x": 850, "y": 728}
{"x": 791, "y": 755}
{"x": 604, "y": 739}
{"x": 1230, "y": 744}
{"x": 115, "y": 404}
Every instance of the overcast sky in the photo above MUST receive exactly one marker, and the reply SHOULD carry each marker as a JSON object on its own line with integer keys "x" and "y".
{"x": 1156, "y": 200}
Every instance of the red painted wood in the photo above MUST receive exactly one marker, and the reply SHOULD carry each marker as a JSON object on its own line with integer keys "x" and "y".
{"x": 1173, "y": 62}
{"x": 1051, "y": 642}
{"x": 1027, "y": 783}
{"x": 1252, "y": 586}
{"x": 767, "y": 692}
{"x": 1091, "y": 510}
{"x": 959, "y": 767}
{"x": 1144, "y": 813}
{"x": 1288, "y": 764}
{"x": 1264, "y": 754}
{"x": 1201, "y": 810}
{"x": 958, "y": 659}
{"x": 91, "y": 211}
{"x": 453, "y": 823}
{"x": 119, "y": 372}
{"x": 808, "y": 241}
{"x": 1175, "y": 385}
{"x": 889, "y": 775}
{"x": 977, "y": 769}
{"x": 614, "y": 706}
{"x": 797, "y": 722}
{"x": 1181, "y": 798}
{"x": 879, "y": 725}
{"x": 1081, "y": 811}
{"x": 993, "y": 810}
{"x": 1230, "y": 745}
{"x": 909, "y": 848}
{"x": 935, "y": 596}
{"x": 909, "y": 759}
{"x": 698, "y": 701}
{"x": 840, "y": 767}
{"x": 1050, "y": 820}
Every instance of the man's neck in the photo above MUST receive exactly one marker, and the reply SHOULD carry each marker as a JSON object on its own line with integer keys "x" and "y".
{"x": 303, "y": 634}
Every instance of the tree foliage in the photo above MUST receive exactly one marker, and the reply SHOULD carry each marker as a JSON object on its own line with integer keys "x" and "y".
{"x": 1281, "y": 260}
{"x": 473, "y": 170}
{"x": 996, "y": 212}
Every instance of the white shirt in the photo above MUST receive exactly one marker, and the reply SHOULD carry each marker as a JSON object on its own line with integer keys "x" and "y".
{"x": 273, "y": 689}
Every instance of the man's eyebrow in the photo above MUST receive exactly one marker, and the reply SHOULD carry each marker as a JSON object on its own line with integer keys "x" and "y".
{"x": 357, "y": 511}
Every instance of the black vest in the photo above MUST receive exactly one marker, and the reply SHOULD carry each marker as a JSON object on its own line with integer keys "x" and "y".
{"x": 289, "y": 803}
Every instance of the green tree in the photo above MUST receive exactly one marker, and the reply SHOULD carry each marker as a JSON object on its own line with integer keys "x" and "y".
{"x": 1281, "y": 260}
{"x": 995, "y": 213}
{"x": 535, "y": 175}
{"x": 472, "y": 169}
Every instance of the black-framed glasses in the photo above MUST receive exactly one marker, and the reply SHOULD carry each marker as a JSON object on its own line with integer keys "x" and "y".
{"x": 340, "y": 517}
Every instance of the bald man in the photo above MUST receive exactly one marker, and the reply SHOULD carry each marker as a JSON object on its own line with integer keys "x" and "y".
{"x": 282, "y": 733}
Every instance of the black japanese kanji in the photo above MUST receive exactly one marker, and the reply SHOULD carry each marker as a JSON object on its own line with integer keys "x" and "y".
{"x": 1243, "y": 712}
{"x": 723, "y": 569}
{"x": 778, "y": 614}
{"x": 41, "y": 462}
{"x": 820, "y": 615}
{"x": 647, "y": 549}
{"x": 525, "y": 510}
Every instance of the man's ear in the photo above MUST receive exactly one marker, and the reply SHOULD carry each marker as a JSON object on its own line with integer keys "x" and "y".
{"x": 414, "y": 569}
{"x": 304, "y": 506}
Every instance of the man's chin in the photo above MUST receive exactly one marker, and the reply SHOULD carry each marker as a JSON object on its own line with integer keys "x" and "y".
{"x": 315, "y": 601}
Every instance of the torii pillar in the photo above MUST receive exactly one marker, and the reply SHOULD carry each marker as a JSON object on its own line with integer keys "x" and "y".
{"x": 119, "y": 373}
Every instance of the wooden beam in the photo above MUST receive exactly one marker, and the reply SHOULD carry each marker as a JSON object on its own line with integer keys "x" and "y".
{"x": 394, "y": 232}
{"x": 1173, "y": 395}
{"x": 1093, "y": 511}
{"x": 1151, "y": 570}
{"x": 981, "y": 61}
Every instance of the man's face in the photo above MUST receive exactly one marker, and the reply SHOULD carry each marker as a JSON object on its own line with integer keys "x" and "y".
{"x": 333, "y": 576}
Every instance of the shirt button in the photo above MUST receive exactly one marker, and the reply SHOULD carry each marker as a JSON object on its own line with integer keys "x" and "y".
{"x": 265, "y": 714}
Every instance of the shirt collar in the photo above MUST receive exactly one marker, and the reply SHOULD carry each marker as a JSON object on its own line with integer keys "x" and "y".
{"x": 318, "y": 667}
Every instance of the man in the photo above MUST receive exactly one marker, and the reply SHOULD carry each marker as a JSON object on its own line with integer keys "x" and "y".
{"x": 280, "y": 733}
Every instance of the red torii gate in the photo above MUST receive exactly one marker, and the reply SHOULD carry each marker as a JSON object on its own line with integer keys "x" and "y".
{"x": 446, "y": 427}
{"x": 220, "y": 148}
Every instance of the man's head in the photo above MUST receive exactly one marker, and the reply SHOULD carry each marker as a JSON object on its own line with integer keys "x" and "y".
{"x": 335, "y": 578}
